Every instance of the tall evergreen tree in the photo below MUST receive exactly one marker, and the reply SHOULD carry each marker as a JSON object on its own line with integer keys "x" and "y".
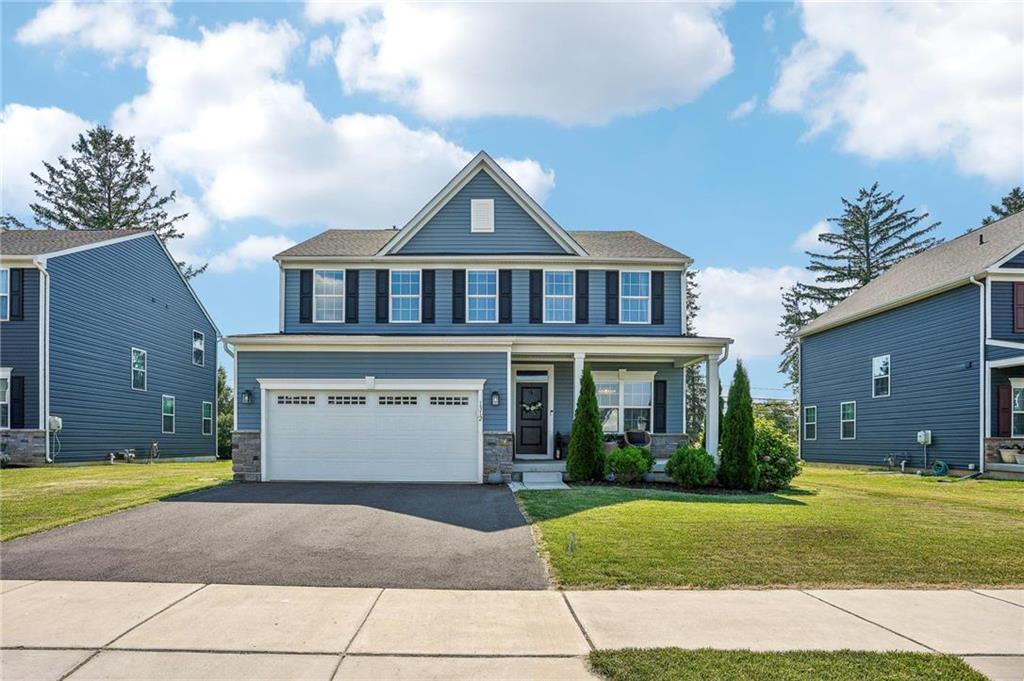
{"x": 796, "y": 312}
{"x": 738, "y": 469}
{"x": 696, "y": 387}
{"x": 585, "y": 460}
{"x": 1008, "y": 205}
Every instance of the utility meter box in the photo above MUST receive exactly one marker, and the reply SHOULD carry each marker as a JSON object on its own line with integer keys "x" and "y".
{"x": 924, "y": 437}
{"x": 56, "y": 424}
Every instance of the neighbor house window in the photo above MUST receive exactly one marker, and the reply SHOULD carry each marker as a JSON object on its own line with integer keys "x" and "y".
{"x": 207, "y": 418}
{"x": 5, "y": 399}
{"x": 328, "y": 295}
{"x": 848, "y": 421}
{"x": 198, "y": 348}
{"x": 481, "y": 215}
{"x": 138, "y": 369}
{"x": 482, "y": 296}
{"x": 167, "y": 414}
{"x": 880, "y": 371}
{"x": 559, "y": 296}
{"x": 635, "y": 297}
{"x": 810, "y": 423}
{"x": 5, "y": 295}
{"x": 405, "y": 295}
{"x": 626, "y": 402}
{"x": 1017, "y": 412}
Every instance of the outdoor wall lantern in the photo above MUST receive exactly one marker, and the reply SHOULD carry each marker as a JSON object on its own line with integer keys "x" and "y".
{"x": 495, "y": 399}
{"x": 246, "y": 397}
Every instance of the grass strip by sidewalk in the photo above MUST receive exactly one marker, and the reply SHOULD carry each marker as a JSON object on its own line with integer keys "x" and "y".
{"x": 673, "y": 664}
{"x": 37, "y": 499}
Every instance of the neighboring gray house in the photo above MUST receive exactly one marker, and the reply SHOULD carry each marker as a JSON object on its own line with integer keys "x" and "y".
{"x": 934, "y": 344}
{"x": 452, "y": 348}
{"x": 100, "y": 329}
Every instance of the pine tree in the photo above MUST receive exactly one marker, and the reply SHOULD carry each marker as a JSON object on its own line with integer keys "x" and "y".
{"x": 796, "y": 312}
{"x": 585, "y": 460}
{"x": 1009, "y": 204}
{"x": 738, "y": 469}
{"x": 225, "y": 414}
{"x": 696, "y": 387}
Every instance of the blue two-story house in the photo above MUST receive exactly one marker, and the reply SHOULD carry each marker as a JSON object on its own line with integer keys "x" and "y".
{"x": 104, "y": 347}
{"x": 451, "y": 349}
{"x": 936, "y": 344}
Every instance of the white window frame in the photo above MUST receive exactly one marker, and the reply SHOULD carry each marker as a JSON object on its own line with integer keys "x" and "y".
{"x": 810, "y": 423}
{"x": 623, "y": 297}
{"x": 202, "y": 339}
{"x": 392, "y": 295}
{"x": 5, "y": 311}
{"x": 622, "y": 377}
{"x": 571, "y": 297}
{"x": 478, "y": 296}
{"x": 843, "y": 421}
{"x": 203, "y": 419}
{"x": 344, "y": 288}
{"x": 1016, "y": 384}
{"x": 887, "y": 377}
{"x": 173, "y": 414}
{"x": 474, "y": 227}
{"x": 5, "y": 397}
{"x": 145, "y": 370}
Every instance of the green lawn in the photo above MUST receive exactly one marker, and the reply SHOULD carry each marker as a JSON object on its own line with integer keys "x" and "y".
{"x": 837, "y": 527}
{"x": 700, "y": 665}
{"x": 37, "y": 499}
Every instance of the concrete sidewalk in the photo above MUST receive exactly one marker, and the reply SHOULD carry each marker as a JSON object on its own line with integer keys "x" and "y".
{"x": 119, "y": 630}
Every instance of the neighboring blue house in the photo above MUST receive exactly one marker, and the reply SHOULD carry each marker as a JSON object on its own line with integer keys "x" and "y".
{"x": 451, "y": 349}
{"x": 100, "y": 330}
{"x": 934, "y": 344}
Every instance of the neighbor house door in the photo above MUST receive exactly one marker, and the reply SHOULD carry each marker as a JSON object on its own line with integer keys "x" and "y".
{"x": 532, "y": 418}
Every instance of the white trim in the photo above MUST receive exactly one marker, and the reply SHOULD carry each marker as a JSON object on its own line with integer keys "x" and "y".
{"x": 1005, "y": 362}
{"x": 5, "y": 273}
{"x": 475, "y": 228}
{"x": 202, "y": 419}
{"x": 508, "y": 392}
{"x": 853, "y": 421}
{"x": 888, "y": 377}
{"x": 5, "y": 396}
{"x": 454, "y": 261}
{"x": 145, "y": 370}
{"x": 173, "y": 415}
{"x": 550, "y": 370}
{"x": 203, "y": 339}
{"x": 987, "y": 309}
{"x": 1009, "y": 256}
{"x": 544, "y": 296}
{"x": 1004, "y": 344}
{"x": 683, "y": 304}
{"x": 344, "y": 290}
{"x": 280, "y": 299}
{"x": 43, "y": 378}
{"x": 984, "y": 397}
{"x": 371, "y": 383}
{"x": 648, "y": 297}
{"x": 804, "y": 423}
{"x": 496, "y": 297}
{"x": 418, "y": 296}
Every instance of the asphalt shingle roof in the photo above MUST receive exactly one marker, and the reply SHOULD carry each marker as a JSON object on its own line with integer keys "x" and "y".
{"x": 42, "y": 241}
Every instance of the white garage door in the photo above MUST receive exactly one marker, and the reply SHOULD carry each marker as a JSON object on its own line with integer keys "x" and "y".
{"x": 373, "y": 435}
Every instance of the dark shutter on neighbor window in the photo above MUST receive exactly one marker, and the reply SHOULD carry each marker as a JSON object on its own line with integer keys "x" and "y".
{"x": 382, "y": 294}
{"x": 505, "y": 296}
{"x": 660, "y": 406}
{"x": 657, "y": 297}
{"x": 352, "y": 296}
{"x": 582, "y": 296}
{"x": 611, "y": 297}
{"x": 458, "y": 296}
{"x": 536, "y": 296}
{"x": 1005, "y": 410}
{"x": 1018, "y": 307}
{"x": 305, "y": 296}
{"x": 427, "y": 297}
{"x": 17, "y": 398}
{"x": 17, "y": 295}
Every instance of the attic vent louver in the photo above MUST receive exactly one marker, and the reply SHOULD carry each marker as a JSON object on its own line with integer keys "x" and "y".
{"x": 481, "y": 215}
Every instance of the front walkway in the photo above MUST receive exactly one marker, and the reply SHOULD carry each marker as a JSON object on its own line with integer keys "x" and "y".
{"x": 123, "y": 630}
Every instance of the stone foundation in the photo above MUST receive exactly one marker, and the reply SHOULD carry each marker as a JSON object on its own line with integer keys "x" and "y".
{"x": 664, "y": 445}
{"x": 994, "y": 444}
{"x": 24, "y": 447}
{"x": 245, "y": 455}
{"x": 498, "y": 455}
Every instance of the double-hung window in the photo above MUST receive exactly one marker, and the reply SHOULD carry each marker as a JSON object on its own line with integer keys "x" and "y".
{"x": 635, "y": 297}
{"x": 167, "y": 414}
{"x": 880, "y": 374}
{"x": 625, "y": 401}
{"x": 5, "y": 399}
{"x": 5, "y": 294}
{"x": 328, "y": 295}
{"x": 405, "y": 295}
{"x": 198, "y": 348}
{"x": 810, "y": 423}
{"x": 1017, "y": 409}
{"x": 138, "y": 369}
{"x": 559, "y": 296}
{"x": 848, "y": 421}
{"x": 482, "y": 296}
{"x": 207, "y": 418}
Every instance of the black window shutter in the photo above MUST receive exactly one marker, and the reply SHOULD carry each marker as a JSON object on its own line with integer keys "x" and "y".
{"x": 582, "y": 296}
{"x": 427, "y": 297}
{"x": 352, "y": 296}
{"x": 505, "y": 296}
{"x": 17, "y": 295}
{"x": 17, "y": 398}
{"x": 657, "y": 297}
{"x": 536, "y": 296}
{"x": 305, "y": 296}
{"x": 458, "y": 296}
{"x": 660, "y": 411}
{"x": 382, "y": 293}
{"x": 611, "y": 297}
{"x": 1018, "y": 306}
{"x": 1005, "y": 410}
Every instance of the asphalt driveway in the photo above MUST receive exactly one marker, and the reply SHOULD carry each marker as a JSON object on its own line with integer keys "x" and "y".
{"x": 302, "y": 534}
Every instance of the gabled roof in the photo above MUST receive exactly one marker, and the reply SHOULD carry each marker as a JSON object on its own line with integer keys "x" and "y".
{"x": 623, "y": 244}
{"x": 45, "y": 241}
{"x": 940, "y": 268}
{"x": 341, "y": 242}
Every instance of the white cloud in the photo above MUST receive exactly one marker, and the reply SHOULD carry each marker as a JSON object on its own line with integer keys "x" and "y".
{"x": 913, "y": 79}
{"x": 320, "y": 50}
{"x": 115, "y": 28}
{"x": 570, "y": 63}
{"x": 249, "y": 252}
{"x": 745, "y": 305}
{"x": 768, "y": 23}
{"x": 808, "y": 241}
{"x": 744, "y": 109}
{"x": 219, "y": 111}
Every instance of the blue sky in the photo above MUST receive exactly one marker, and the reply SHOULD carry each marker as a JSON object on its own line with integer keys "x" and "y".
{"x": 725, "y": 131}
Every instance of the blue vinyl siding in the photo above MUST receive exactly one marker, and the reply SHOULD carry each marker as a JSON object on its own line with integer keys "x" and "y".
{"x": 1002, "y": 312}
{"x": 103, "y": 302}
{"x": 520, "y": 311}
{"x": 515, "y": 232}
{"x": 995, "y": 352}
{"x": 933, "y": 346}
{"x": 1015, "y": 262}
{"x": 19, "y": 346}
{"x": 490, "y": 366}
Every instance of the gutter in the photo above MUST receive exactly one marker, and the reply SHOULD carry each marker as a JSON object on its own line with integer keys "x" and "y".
{"x": 44, "y": 342}
{"x": 982, "y": 375}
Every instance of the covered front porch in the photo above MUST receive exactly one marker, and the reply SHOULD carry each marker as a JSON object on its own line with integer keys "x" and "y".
{"x": 1004, "y": 427}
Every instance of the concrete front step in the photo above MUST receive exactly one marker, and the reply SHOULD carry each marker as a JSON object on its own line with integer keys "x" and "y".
{"x": 541, "y": 477}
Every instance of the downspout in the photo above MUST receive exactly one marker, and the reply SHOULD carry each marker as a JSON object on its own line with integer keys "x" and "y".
{"x": 982, "y": 377}
{"x": 44, "y": 340}
{"x": 234, "y": 380}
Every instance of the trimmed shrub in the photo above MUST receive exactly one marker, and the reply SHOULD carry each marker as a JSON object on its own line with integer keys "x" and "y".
{"x": 691, "y": 467}
{"x": 585, "y": 460}
{"x": 776, "y": 456}
{"x": 628, "y": 464}
{"x": 739, "y": 464}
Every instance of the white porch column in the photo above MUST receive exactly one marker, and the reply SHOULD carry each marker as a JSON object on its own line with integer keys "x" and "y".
{"x": 711, "y": 415}
{"x": 577, "y": 377}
